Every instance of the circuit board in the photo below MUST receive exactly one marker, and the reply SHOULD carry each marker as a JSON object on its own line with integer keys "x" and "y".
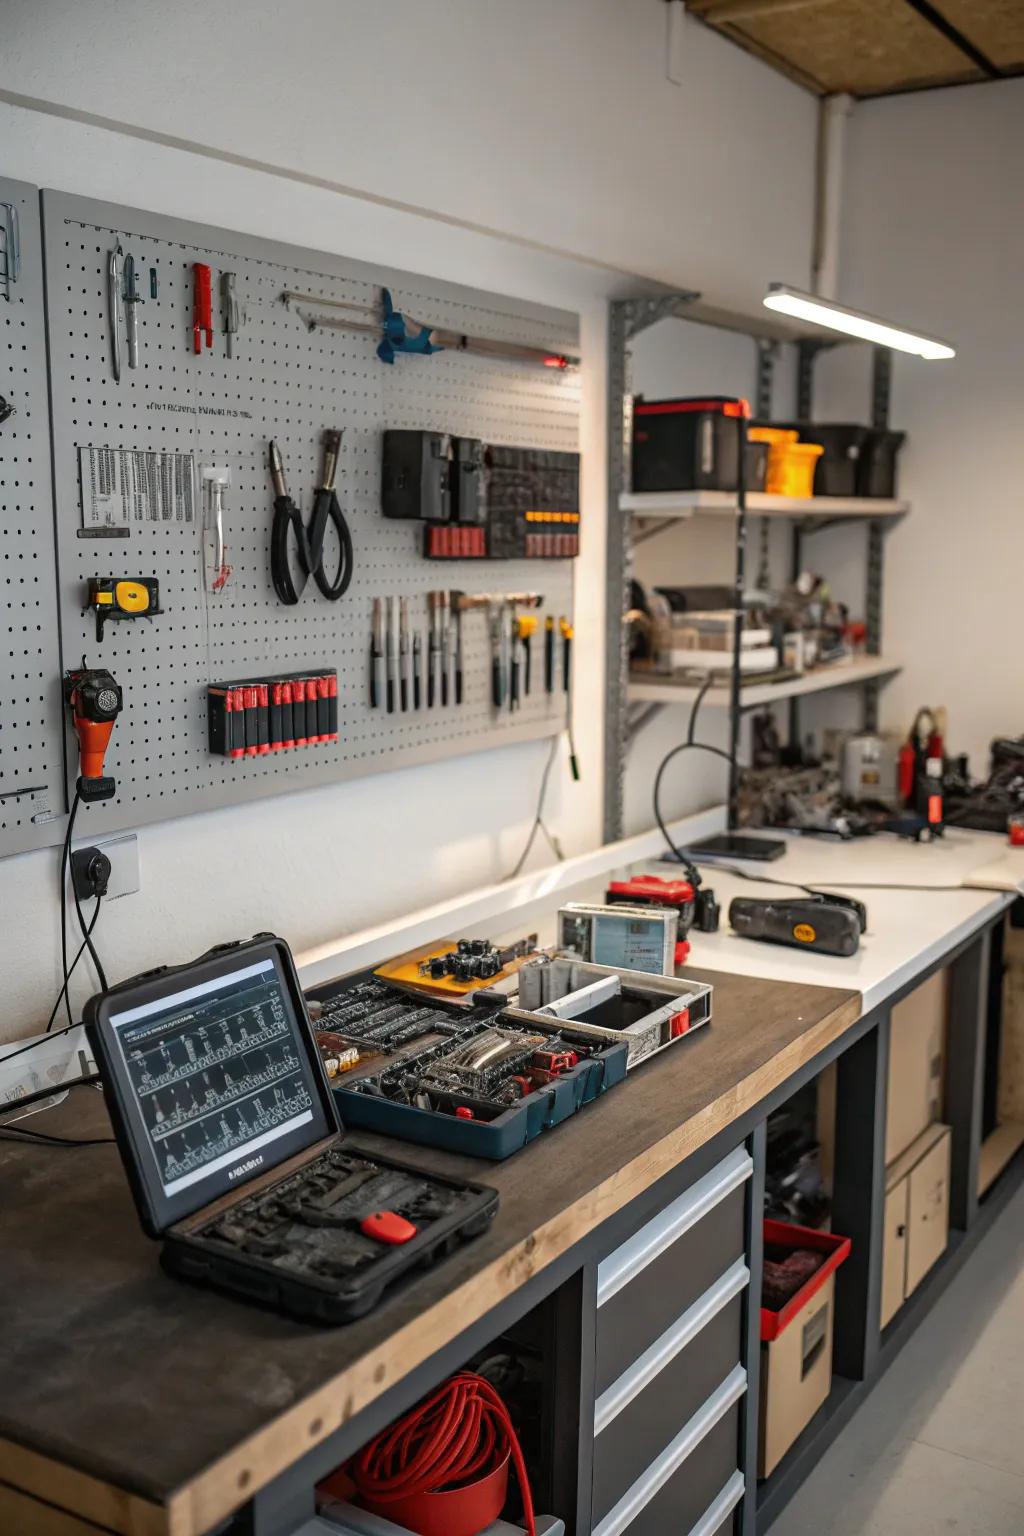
{"x": 456, "y": 968}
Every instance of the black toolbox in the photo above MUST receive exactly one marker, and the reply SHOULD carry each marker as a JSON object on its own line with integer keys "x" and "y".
{"x": 692, "y": 444}
{"x": 857, "y": 460}
{"x": 234, "y": 1150}
{"x": 876, "y": 467}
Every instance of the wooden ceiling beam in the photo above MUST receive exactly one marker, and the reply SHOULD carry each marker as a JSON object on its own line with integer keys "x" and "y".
{"x": 722, "y": 11}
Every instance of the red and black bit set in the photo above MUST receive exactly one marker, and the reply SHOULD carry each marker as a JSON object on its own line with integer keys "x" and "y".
{"x": 273, "y": 714}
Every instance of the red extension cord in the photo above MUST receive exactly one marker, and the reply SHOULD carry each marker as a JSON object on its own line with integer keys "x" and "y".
{"x": 459, "y": 1433}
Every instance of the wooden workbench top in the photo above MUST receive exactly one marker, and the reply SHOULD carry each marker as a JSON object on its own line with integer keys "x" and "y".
{"x": 150, "y": 1407}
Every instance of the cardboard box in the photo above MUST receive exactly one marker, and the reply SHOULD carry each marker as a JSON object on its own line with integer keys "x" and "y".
{"x": 916, "y": 1217}
{"x": 917, "y": 1051}
{"x": 796, "y": 1375}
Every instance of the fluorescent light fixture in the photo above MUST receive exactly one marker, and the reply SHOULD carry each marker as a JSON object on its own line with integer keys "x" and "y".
{"x": 817, "y": 311}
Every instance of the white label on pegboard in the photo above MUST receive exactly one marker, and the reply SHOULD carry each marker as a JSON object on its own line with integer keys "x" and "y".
{"x": 122, "y": 486}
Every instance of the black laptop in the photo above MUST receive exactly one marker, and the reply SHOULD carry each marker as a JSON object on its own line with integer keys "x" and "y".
{"x": 236, "y": 1154}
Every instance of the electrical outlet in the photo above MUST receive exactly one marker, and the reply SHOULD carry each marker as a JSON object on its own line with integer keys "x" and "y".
{"x": 125, "y": 870}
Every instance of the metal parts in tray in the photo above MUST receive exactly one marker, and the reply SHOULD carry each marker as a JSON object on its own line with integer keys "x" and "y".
{"x": 649, "y": 1012}
{"x": 483, "y": 1083}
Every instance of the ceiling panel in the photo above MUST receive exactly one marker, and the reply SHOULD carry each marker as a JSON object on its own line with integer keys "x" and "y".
{"x": 872, "y": 47}
{"x": 994, "y": 26}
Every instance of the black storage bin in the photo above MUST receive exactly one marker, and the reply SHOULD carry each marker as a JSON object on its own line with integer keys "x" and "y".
{"x": 691, "y": 444}
{"x": 836, "y": 472}
{"x": 876, "y": 467}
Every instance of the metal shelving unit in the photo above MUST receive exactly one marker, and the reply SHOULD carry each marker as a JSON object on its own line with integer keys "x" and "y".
{"x": 755, "y": 695}
{"x": 634, "y": 517}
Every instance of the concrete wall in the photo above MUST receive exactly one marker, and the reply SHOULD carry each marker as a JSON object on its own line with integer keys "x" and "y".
{"x": 555, "y": 127}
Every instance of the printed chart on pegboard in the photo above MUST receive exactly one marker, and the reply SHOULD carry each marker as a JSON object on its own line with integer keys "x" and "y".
{"x": 130, "y": 458}
{"x": 31, "y": 743}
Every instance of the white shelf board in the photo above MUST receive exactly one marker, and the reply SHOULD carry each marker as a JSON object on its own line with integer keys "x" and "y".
{"x": 683, "y": 504}
{"x": 842, "y": 674}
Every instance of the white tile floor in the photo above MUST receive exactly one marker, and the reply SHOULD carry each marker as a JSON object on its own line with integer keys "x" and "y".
{"x": 938, "y": 1448}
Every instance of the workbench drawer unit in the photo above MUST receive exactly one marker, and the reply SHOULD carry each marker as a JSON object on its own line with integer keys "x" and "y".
{"x": 686, "y": 1486}
{"x": 647, "y": 1284}
{"x": 668, "y": 1372}
{"x": 641, "y": 1412}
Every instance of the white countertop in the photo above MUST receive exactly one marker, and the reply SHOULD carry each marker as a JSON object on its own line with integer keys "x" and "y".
{"x": 956, "y": 885}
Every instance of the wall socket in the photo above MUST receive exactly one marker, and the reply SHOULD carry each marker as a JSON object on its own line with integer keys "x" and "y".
{"x": 125, "y": 868}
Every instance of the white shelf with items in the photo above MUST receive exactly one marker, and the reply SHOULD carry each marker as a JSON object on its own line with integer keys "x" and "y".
{"x": 652, "y": 689}
{"x": 685, "y": 504}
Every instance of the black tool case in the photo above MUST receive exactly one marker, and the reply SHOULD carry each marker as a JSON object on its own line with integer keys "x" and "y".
{"x": 285, "y": 1218}
{"x": 692, "y": 444}
{"x": 414, "y": 1044}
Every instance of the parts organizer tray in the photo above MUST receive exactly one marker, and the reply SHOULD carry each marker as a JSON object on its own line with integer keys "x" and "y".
{"x": 483, "y": 1083}
{"x": 235, "y": 1152}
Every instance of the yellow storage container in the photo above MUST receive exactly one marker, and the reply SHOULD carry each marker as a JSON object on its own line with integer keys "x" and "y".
{"x": 791, "y": 464}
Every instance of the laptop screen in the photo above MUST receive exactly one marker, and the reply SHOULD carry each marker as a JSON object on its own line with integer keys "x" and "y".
{"x": 217, "y": 1081}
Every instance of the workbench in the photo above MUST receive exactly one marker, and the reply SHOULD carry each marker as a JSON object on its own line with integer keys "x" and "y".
{"x": 137, "y": 1405}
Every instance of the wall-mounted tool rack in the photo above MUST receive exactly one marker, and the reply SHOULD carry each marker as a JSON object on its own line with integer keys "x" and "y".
{"x": 283, "y": 380}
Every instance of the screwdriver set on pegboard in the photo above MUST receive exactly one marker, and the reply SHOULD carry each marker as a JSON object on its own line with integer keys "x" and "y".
{"x": 234, "y": 422}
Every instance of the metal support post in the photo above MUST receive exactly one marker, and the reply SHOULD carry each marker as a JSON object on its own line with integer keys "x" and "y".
{"x": 858, "y": 1198}
{"x": 626, "y": 319}
{"x": 881, "y": 394}
{"x": 968, "y": 1007}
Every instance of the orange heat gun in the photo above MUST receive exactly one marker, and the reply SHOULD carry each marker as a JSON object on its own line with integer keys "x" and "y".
{"x": 95, "y": 701}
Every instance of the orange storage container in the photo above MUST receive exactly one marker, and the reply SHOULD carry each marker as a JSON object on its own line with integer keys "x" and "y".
{"x": 791, "y": 464}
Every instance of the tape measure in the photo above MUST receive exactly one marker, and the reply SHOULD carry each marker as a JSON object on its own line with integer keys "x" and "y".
{"x": 129, "y": 597}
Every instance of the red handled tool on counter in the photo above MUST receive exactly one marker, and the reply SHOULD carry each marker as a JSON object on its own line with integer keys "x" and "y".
{"x": 202, "y": 306}
{"x": 95, "y": 701}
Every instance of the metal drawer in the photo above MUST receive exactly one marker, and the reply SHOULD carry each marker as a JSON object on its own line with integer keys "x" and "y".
{"x": 638, "y": 1434}
{"x": 719, "y": 1517}
{"x": 679, "y": 1487}
{"x": 654, "y": 1277}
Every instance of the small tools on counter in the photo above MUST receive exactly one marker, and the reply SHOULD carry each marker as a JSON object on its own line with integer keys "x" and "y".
{"x": 828, "y": 923}
{"x": 309, "y": 542}
{"x": 202, "y": 306}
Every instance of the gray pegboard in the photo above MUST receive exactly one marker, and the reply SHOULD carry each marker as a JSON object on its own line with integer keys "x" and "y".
{"x": 31, "y": 748}
{"x": 288, "y": 383}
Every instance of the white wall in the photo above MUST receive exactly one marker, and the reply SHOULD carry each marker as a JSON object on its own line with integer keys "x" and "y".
{"x": 557, "y": 126}
{"x": 933, "y": 235}
{"x": 549, "y": 122}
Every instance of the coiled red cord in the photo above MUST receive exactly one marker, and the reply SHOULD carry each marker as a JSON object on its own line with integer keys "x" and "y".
{"x": 459, "y": 1433}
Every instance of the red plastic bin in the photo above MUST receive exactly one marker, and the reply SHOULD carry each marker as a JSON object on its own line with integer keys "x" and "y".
{"x": 783, "y": 1235}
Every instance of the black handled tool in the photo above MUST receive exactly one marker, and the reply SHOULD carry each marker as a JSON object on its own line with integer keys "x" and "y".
{"x": 549, "y": 654}
{"x": 417, "y": 670}
{"x": 829, "y": 925}
{"x": 309, "y": 543}
{"x": 377, "y": 654}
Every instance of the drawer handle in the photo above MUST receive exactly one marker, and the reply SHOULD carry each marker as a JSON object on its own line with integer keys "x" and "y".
{"x": 672, "y": 1457}
{"x": 628, "y": 1261}
{"x": 716, "y": 1514}
{"x": 664, "y": 1350}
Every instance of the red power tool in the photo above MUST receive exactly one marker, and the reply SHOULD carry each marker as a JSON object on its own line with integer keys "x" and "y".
{"x": 95, "y": 701}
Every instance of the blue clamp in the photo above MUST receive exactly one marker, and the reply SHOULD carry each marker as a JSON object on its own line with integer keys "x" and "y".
{"x": 395, "y": 338}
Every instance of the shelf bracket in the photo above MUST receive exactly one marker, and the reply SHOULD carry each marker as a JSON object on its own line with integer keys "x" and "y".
{"x": 641, "y": 314}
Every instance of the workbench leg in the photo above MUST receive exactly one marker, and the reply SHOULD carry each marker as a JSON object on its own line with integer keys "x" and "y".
{"x": 569, "y": 1430}
{"x": 858, "y": 1200}
{"x": 750, "y": 1410}
{"x": 282, "y": 1507}
{"x": 965, "y": 1075}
